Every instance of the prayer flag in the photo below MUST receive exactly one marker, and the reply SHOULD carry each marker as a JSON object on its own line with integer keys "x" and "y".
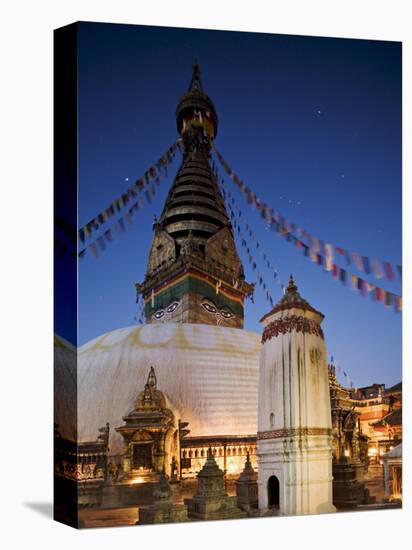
{"x": 388, "y": 271}
{"x": 357, "y": 260}
{"x": 369, "y": 286}
{"x": 329, "y": 257}
{"x": 380, "y": 294}
{"x": 353, "y": 281}
{"x": 366, "y": 265}
{"x": 388, "y": 298}
{"x": 377, "y": 269}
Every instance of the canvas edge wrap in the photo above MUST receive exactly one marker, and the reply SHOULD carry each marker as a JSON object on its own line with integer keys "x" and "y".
{"x": 65, "y": 109}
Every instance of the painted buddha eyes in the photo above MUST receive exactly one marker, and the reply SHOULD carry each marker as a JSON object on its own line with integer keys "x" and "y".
{"x": 226, "y": 313}
{"x": 219, "y": 312}
{"x": 210, "y": 307}
{"x": 172, "y": 307}
{"x": 165, "y": 313}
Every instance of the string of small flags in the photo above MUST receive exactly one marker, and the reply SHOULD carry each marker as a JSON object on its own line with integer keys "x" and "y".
{"x": 312, "y": 251}
{"x": 364, "y": 264}
{"x": 61, "y": 248}
{"x": 154, "y": 173}
{"x": 230, "y": 204}
{"x": 230, "y": 201}
{"x": 66, "y": 229}
{"x": 99, "y": 245}
{"x": 64, "y": 238}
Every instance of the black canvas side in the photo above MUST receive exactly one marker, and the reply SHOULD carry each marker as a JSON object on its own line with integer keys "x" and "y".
{"x": 65, "y": 272}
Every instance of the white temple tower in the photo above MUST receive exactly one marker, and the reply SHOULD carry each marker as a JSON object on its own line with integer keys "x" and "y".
{"x": 294, "y": 418}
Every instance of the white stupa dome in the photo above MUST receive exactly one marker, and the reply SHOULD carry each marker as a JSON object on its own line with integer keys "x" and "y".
{"x": 209, "y": 375}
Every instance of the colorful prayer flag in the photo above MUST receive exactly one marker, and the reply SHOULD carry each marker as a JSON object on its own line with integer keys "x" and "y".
{"x": 388, "y": 271}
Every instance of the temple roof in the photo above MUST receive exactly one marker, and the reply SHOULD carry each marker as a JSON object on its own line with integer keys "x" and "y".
{"x": 292, "y": 300}
{"x": 397, "y": 388}
{"x": 394, "y": 418}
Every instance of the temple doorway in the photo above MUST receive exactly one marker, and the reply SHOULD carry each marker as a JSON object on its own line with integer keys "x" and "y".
{"x": 273, "y": 492}
{"x": 142, "y": 456}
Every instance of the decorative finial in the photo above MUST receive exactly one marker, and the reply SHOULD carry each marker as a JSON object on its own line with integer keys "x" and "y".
{"x": 151, "y": 379}
{"x": 196, "y": 82}
{"x": 291, "y": 286}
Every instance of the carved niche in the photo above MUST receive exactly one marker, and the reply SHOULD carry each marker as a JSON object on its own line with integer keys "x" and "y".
{"x": 162, "y": 251}
{"x": 221, "y": 250}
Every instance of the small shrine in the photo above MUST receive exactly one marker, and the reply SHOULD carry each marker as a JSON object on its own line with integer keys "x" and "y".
{"x": 149, "y": 434}
{"x": 348, "y": 492}
{"x": 247, "y": 487}
{"x": 163, "y": 510}
{"x": 211, "y": 500}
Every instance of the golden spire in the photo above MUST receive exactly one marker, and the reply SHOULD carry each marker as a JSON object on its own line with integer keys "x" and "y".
{"x": 291, "y": 286}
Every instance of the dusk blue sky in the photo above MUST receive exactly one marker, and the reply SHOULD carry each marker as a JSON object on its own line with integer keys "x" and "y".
{"x": 312, "y": 125}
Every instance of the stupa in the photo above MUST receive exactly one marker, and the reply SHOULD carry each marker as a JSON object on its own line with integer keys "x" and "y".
{"x": 247, "y": 487}
{"x": 163, "y": 510}
{"x": 194, "y": 291}
{"x": 211, "y": 500}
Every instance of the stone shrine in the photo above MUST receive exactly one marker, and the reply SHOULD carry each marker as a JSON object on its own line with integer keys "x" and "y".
{"x": 211, "y": 500}
{"x": 348, "y": 491}
{"x": 247, "y": 487}
{"x": 163, "y": 510}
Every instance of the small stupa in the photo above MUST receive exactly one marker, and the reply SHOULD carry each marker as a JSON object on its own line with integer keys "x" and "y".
{"x": 247, "y": 487}
{"x": 163, "y": 509}
{"x": 211, "y": 500}
{"x": 348, "y": 491}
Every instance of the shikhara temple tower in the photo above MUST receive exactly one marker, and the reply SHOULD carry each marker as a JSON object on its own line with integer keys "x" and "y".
{"x": 294, "y": 418}
{"x": 194, "y": 273}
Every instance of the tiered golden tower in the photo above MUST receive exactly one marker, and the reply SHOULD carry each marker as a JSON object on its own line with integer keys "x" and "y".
{"x": 194, "y": 273}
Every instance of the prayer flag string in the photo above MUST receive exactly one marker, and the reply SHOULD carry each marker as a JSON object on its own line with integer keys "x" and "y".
{"x": 364, "y": 264}
{"x": 154, "y": 173}
{"x": 320, "y": 253}
{"x": 243, "y": 236}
